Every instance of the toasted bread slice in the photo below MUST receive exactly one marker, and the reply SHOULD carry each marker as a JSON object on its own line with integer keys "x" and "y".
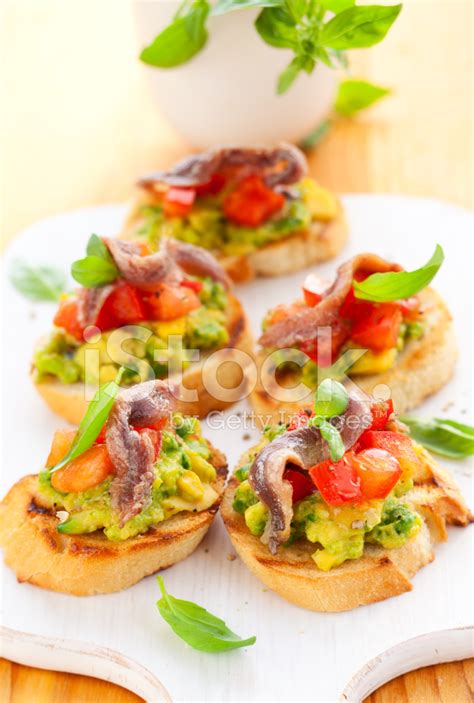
{"x": 69, "y": 400}
{"x": 321, "y": 241}
{"x": 84, "y": 565}
{"x": 377, "y": 575}
{"x": 424, "y": 366}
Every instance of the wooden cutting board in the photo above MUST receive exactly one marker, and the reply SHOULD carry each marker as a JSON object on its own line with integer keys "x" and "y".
{"x": 447, "y": 683}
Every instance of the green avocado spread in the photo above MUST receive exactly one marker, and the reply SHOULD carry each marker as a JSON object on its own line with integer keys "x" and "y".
{"x": 145, "y": 356}
{"x": 339, "y": 533}
{"x": 183, "y": 482}
{"x": 207, "y": 226}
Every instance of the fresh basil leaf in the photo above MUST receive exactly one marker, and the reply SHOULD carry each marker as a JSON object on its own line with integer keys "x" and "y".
{"x": 397, "y": 285}
{"x": 316, "y": 135}
{"x": 96, "y": 247}
{"x": 333, "y": 437}
{"x": 276, "y": 27}
{"x": 448, "y": 438}
{"x": 180, "y": 40}
{"x": 355, "y": 95}
{"x": 337, "y": 6}
{"x": 288, "y": 75}
{"x": 359, "y": 27}
{"x": 296, "y": 8}
{"x": 197, "y": 626}
{"x": 93, "y": 421}
{"x": 39, "y": 283}
{"x": 223, "y": 6}
{"x": 93, "y": 271}
{"x": 331, "y": 399}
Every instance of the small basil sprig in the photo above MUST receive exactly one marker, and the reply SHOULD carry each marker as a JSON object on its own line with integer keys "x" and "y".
{"x": 331, "y": 399}
{"x": 93, "y": 421}
{"x": 97, "y": 268}
{"x": 38, "y": 283}
{"x": 448, "y": 438}
{"x": 355, "y": 95}
{"x": 197, "y": 626}
{"x": 314, "y": 30}
{"x": 397, "y": 285}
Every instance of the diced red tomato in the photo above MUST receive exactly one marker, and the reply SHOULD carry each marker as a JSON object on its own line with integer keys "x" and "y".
{"x": 397, "y": 444}
{"x": 252, "y": 202}
{"x": 101, "y": 436}
{"x": 158, "y": 425}
{"x": 301, "y": 484}
{"x": 178, "y": 202}
{"x": 338, "y": 482}
{"x": 381, "y": 411}
{"x": 313, "y": 289}
{"x": 380, "y": 329}
{"x": 325, "y": 349}
{"x": 170, "y": 302}
{"x": 122, "y": 307}
{"x": 67, "y": 318}
{"x": 299, "y": 420}
{"x": 213, "y": 186}
{"x": 354, "y": 309}
{"x": 196, "y": 286}
{"x": 378, "y": 472}
{"x": 410, "y": 307}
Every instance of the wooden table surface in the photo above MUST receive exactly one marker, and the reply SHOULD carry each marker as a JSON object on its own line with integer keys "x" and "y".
{"x": 81, "y": 125}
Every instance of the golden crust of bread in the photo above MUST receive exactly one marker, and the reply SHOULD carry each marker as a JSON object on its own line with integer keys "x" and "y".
{"x": 321, "y": 241}
{"x": 69, "y": 400}
{"x": 84, "y": 565}
{"x": 377, "y": 575}
{"x": 423, "y": 367}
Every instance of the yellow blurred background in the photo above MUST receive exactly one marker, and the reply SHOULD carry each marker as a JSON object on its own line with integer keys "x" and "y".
{"x": 79, "y": 124}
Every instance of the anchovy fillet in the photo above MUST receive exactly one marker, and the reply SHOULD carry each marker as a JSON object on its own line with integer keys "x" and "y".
{"x": 131, "y": 452}
{"x": 303, "y": 448}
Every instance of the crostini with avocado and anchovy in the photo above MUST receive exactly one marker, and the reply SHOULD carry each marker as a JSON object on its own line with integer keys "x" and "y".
{"x": 256, "y": 209}
{"x": 133, "y": 491}
{"x": 130, "y": 308}
{"x": 340, "y": 507}
{"x": 375, "y": 324}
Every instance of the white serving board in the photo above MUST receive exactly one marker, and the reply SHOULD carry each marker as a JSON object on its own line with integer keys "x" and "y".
{"x": 299, "y": 655}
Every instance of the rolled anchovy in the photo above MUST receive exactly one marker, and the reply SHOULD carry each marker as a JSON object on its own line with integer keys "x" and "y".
{"x": 142, "y": 271}
{"x": 302, "y": 325}
{"x": 304, "y": 448}
{"x": 282, "y": 165}
{"x": 131, "y": 452}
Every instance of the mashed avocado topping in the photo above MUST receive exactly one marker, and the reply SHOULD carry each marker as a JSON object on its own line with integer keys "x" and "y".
{"x": 205, "y": 328}
{"x": 183, "y": 482}
{"x": 340, "y": 533}
{"x": 207, "y": 226}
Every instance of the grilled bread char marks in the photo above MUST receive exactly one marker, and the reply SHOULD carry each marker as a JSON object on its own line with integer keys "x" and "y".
{"x": 133, "y": 453}
{"x": 90, "y": 564}
{"x": 303, "y": 447}
{"x": 379, "y": 574}
{"x": 301, "y": 326}
{"x": 280, "y": 166}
